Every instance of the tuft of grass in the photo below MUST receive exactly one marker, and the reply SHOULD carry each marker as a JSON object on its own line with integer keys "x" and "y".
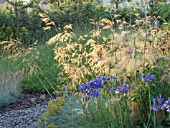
{"x": 36, "y": 63}
{"x": 40, "y": 70}
{"x": 9, "y": 87}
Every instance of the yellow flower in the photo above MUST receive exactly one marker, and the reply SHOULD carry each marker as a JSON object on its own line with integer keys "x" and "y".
{"x": 39, "y": 122}
{"x": 50, "y": 126}
{"x": 45, "y": 116}
{"x": 60, "y": 101}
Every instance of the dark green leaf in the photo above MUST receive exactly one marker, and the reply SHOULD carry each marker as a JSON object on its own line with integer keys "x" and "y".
{"x": 165, "y": 15}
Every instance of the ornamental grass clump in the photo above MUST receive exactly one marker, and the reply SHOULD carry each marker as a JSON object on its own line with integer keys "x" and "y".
{"x": 82, "y": 57}
{"x": 9, "y": 87}
{"x": 122, "y": 54}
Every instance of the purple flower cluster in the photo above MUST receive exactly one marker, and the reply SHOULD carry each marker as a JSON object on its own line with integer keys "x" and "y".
{"x": 166, "y": 105}
{"x": 100, "y": 59}
{"x": 103, "y": 78}
{"x": 159, "y": 104}
{"x": 91, "y": 88}
{"x": 147, "y": 77}
{"x": 123, "y": 89}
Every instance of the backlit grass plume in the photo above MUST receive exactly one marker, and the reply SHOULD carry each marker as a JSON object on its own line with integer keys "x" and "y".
{"x": 86, "y": 56}
{"x": 83, "y": 57}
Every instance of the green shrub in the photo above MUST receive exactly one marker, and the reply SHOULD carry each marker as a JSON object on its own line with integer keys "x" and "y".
{"x": 64, "y": 113}
{"x": 128, "y": 13}
{"x": 21, "y": 22}
{"x": 6, "y": 26}
{"x": 76, "y": 13}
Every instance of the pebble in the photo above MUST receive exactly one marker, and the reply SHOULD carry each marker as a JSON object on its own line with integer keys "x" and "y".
{"x": 25, "y": 118}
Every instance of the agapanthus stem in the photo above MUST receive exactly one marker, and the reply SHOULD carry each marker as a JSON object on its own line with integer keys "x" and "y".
{"x": 97, "y": 105}
{"x": 149, "y": 94}
{"x": 154, "y": 119}
{"x": 85, "y": 112}
{"x": 149, "y": 98}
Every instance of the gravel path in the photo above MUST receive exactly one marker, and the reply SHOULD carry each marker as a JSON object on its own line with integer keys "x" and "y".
{"x": 24, "y": 113}
{"x": 25, "y": 118}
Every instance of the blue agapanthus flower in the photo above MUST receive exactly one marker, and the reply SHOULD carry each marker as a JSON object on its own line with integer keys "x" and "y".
{"x": 157, "y": 103}
{"x": 112, "y": 77}
{"x": 96, "y": 93}
{"x": 91, "y": 89}
{"x": 147, "y": 77}
{"x": 100, "y": 59}
{"x": 166, "y": 105}
{"x": 101, "y": 78}
{"x": 96, "y": 83}
{"x": 84, "y": 87}
{"x": 123, "y": 89}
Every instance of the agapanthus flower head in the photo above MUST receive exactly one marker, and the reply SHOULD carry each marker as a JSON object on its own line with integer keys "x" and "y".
{"x": 166, "y": 105}
{"x": 86, "y": 98}
{"x": 84, "y": 87}
{"x": 147, "y": 77}
{"x": 101, "y": 78}
{"x": 157, "y": 103}
{"x": 123, "y": 89}
{"x": 91, "y": 89}
{"x": 95, "y": 93}
{"x": 96, "y": 83}
{"x": 104, "y": 78}
{"x": 155, "y": 108}
{"x": 112, "y": 77}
